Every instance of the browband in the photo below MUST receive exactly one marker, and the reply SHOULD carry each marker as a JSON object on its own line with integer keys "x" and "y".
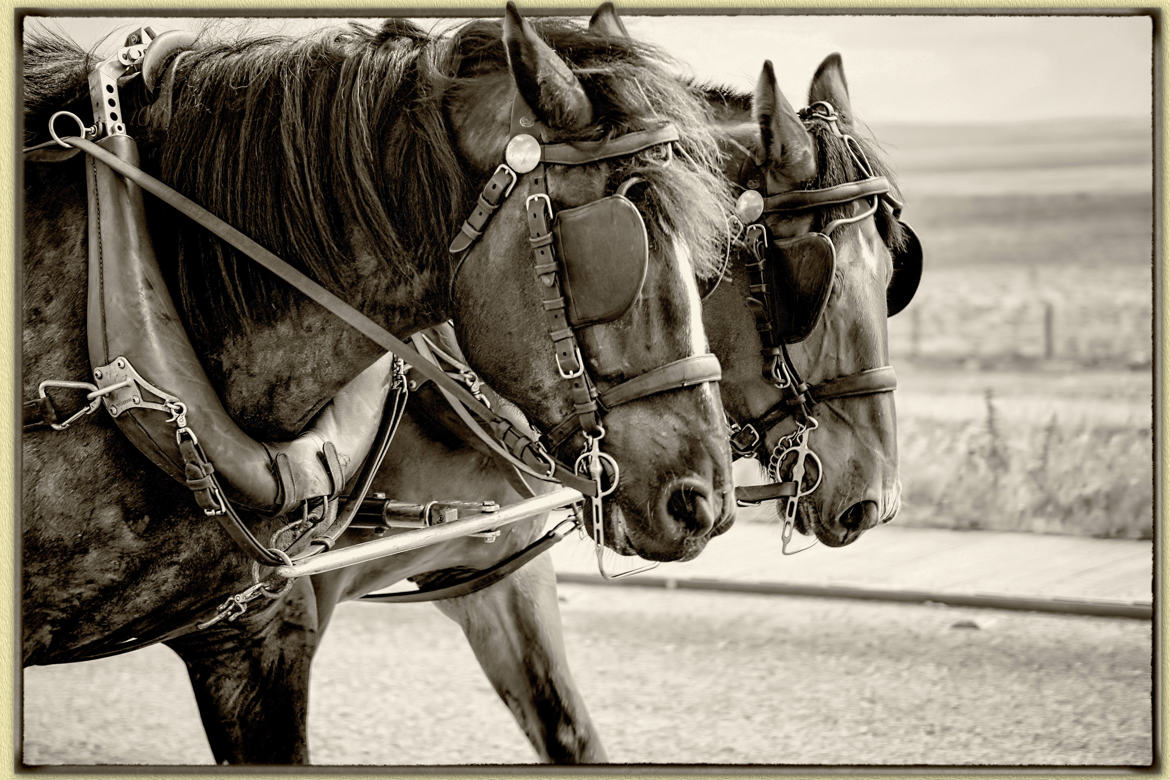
{"x": 585, "y": 152}
{"x": 799, "y": 200}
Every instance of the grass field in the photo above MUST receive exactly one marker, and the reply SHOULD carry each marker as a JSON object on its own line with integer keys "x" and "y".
{"x": 1024, "y": 362}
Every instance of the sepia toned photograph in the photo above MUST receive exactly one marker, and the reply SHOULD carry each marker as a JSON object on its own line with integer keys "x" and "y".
{"x": 622, "y": 388}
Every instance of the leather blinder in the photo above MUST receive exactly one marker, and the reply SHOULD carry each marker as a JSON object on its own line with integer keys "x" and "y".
{"x": 800, "y": 272}
{"x": 605, "y": 251}
{"x": 907, "y": 273}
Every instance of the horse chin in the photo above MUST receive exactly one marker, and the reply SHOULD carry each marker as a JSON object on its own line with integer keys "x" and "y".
{"x": 808, "y": 523}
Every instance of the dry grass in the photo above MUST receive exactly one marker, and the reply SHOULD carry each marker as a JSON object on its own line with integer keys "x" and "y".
{"x": 1058, "y": 476}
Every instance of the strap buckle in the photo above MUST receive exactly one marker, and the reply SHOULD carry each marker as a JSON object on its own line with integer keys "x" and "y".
{"x": 572, "y": 373}
{"x": 745, "y": 439}
{"x": 541, "y": 197}
{"x": 505, "y": 168}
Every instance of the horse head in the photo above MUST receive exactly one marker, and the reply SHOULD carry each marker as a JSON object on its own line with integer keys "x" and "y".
{"x": 821, "y": 244}
{"x": 610, "y": 156}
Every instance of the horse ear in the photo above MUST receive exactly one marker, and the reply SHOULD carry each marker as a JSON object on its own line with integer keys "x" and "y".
{"x": 829, "y": 85}
{"x": 545, "y": 82}
{"x": 605, "y": 21}
{"x": 786, "y": 146}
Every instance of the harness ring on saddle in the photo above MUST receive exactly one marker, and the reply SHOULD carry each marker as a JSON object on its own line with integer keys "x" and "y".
{"x": 803, "y": 268}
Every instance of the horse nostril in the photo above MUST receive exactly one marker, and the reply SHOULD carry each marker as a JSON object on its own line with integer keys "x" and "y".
{"x": 689, "y": 505}
{"x": 860, "y": 517}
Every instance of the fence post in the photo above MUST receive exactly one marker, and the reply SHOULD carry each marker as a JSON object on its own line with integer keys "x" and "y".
{"x": 1049, "y": 330}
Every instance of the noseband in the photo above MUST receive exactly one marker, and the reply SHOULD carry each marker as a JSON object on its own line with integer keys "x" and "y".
{"x": 589, "y": 262}
{"x": 790, "y": 281}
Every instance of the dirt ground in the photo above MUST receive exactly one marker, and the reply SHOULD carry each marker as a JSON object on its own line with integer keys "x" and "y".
{"x": 670, "y": 677}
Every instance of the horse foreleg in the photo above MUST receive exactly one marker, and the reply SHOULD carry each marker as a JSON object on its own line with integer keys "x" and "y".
{"x": 251, "y": 681}
{"x": 514, "y": 627}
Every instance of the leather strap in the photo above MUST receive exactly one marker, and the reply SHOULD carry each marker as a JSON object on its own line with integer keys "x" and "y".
{"x": 498, "y": 187}
{"x": 39, "y": 414}
{"x": 867, "y": 382}
{"x": 492, "y": 443}
{"x": 476, "y": 581}
{"x": 755, "y": 264}
{"x": 756, "y": 494}
{"x": 567, "y": 353}
{"x": 392, "y": 414}
{"x": 801, "y": 200}
{"x": 687, "y": 372}
{"x": 585, "y": 152}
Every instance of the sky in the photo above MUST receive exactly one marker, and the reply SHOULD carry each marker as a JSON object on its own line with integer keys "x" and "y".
{"x": 937, "y": 69}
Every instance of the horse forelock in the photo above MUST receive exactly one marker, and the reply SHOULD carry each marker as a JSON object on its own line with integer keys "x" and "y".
{"x": 632, "y": 86}
{"x": 835, "y": 166}
{"x": 324, "y": 149}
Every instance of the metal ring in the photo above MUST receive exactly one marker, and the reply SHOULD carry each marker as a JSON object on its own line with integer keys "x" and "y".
{"x": 75, "y": 118}
{"x": 284, "y": 557}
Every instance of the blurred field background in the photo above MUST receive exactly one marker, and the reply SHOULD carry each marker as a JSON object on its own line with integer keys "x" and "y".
{"x": 1025, "y": 361}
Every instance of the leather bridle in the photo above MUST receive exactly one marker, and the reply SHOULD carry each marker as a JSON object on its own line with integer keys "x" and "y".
{"x": 528, "y": 152}
{"x": 800, "y": 399}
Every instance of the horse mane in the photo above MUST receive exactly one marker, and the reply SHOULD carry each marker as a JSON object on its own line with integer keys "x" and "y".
{"x": 835, "y": 166}
{"x": 310, "y": 145}
{"x": 726, "y": 103}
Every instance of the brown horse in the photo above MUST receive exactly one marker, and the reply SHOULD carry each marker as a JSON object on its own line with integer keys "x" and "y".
{"x": 828, "y": 331}
{"x": 352, "y": 154}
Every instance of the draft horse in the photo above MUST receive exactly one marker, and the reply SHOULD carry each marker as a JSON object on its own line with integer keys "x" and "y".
{"x": 835, "y": 329}
{"x": 355, "y": 155}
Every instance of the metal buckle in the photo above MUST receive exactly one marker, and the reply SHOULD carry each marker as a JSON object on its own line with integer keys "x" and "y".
{"x": 512, "y": 174}
{"x": 745, "y": 447}
{"x": 756, "y": 232}
{"x": 580, "y": 370}
{"x": 539, "y": 196}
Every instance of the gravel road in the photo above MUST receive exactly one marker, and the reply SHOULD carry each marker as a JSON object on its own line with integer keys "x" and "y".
{"x": 670, "y": 677}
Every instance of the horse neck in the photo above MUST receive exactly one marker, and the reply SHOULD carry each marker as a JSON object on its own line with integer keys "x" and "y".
{"x": 274, "y": 376}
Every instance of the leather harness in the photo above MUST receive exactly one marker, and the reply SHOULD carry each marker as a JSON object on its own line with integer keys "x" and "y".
{"x": 799, "y": 398}
{"x": 116, "y": 216}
